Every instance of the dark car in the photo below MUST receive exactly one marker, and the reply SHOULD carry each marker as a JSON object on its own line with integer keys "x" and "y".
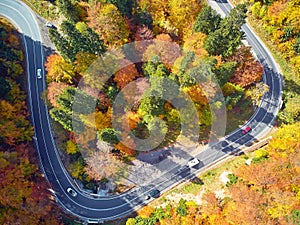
{"x": 154, "y": 193}
{"x": 246, "y": 130}
{"x": 183, "y": 169}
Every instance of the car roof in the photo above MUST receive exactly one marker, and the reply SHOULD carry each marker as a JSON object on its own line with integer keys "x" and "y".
{"x": 155, "y": 191}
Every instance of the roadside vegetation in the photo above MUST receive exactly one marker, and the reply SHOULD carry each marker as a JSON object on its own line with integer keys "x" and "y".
{"x": 260, "y": 188}
{"x": 210, "y": 45}
{"x": 24, "y": 192}
{"x": 278, "y": 25}
{"x": 44, "y": 8}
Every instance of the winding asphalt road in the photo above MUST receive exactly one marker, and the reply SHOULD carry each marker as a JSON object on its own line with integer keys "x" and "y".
{"x": 86, "y": 207}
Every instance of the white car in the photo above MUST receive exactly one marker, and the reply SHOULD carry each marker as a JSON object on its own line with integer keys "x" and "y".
{"x": 50, "y": 25}
{"x": 72, "y": 192}
{"x": 39, "y": 73}
{"x": 193, "y": 162}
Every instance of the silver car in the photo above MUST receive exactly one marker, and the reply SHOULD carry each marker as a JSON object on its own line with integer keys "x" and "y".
{"x": 39, "y": 73}
{"x": 72, "y": 192}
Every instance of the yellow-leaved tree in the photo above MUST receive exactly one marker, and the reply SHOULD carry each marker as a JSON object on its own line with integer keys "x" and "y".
{"x": 108, "y": 22}
{"x": 59, "y": 69}
{"x": 182, "y": 13}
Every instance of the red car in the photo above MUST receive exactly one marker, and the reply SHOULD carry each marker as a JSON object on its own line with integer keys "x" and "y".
{"x": 246, "y": 130}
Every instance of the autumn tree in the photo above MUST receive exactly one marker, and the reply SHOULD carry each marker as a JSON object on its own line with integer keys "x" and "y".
{"x": 5, "y": 87}
{"x": 158, "y": 10}
{"x": 59, "y": 69}
{"x": 77, "y": 168}
{"x": 146, "y": 212}
{"x": 71, "y": 147}
{"x": 68, "y": 9}
{"x": 85, "y": 136}
{"x": 12, "y": 117}
{"x": 256, "y": 92}
{"x": 182, "y": 12}
{"x": 197, "y": 94}
{"x": 131, "y": 221}
{"x": 97, "y": 119}
{"x": 83, "y": 61}
{"x": 143, "y": 33}
{"x": 248, "y": 69}
{"x": 125, "y": 149}
{"x": 54, "y": 89}
{"x": 102, "y": 164}
{"x": 195, "y": 43}
{"x": 108, "y": 22}
{"x": 163, "y": 47}
{"x": 125, "y": 75}
{"x": 126, "y": 7}
{"x": 7, "y": 53}
{"x": 24, "y": 198}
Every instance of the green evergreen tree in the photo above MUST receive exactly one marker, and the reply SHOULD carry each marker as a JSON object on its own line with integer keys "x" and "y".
{"x": 108, "y": 135}
{"x": 76, "y": 101}
{"x": 63, "y": 46}
{"x": 182, "y": 209}
{"x": 62, "y": 117}
{"x": 225, "y": 71}
{"x": 207, "y": 21}
{"x": 236, "y": 17}
{"x": 82, "y": 42}
{"x": 228, "y": 37}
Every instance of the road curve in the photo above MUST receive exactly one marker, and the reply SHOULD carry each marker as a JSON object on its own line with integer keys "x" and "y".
{"x": 108, "y": 208}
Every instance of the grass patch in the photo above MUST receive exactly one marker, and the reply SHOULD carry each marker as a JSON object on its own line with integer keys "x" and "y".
{"x": 191, "y": 188}
{"x": 210, "y": 179}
